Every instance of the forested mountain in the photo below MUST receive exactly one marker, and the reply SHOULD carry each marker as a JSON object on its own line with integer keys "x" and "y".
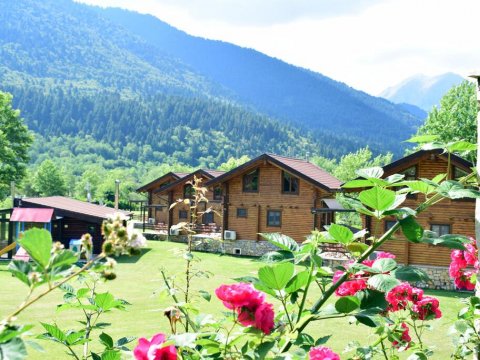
{"x": 421, "y": 90}
{"x": 136, "y": 89}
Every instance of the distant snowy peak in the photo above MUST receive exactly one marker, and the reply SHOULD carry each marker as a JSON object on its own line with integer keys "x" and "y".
{"x": 421, "y": 90}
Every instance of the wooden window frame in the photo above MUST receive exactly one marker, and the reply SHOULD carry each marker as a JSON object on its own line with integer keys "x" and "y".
{"x": 215, "y": 196}
{"x": 291, "y": 177}
{"x": 258, "y": 181}
{"x": 386, "y": 228}
{"x": 439, "y": 224}
{"x": 246, "y": 213}
{"x": 188, "y": 196}
{"x": 181, "y": 212}
{"x": 268, "y": 217}
{"x": 208, "y": 214}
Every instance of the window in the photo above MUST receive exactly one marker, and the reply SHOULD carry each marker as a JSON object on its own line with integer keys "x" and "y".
{"x": 250, "y": 181}
{"x": 389, "y": 224}
{"x": 440, "y": 229}
{"x": 289, "y": 183}
{"x": 274, "y": 218}
{"x": 217, "y": 193}
{"x": 458, "y": 173}
{"x": 242, "y": 213}
{"x": 410, "y": 174}
{"x": 188, "y": 191}
{"x": 182, "y": 214}
{"x": 208, "y": 218}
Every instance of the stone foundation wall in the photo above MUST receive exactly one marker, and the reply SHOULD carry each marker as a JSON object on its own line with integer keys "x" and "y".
{"x": 438, "y": 274}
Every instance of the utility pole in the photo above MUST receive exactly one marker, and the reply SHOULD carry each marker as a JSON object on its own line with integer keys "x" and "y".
{"x": 117, "y": 193}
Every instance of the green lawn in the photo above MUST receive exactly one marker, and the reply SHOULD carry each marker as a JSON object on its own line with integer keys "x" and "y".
{"x": 138, "y": 278}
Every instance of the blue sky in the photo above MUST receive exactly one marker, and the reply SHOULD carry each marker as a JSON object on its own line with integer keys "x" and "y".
{"x": 368, "y": 44}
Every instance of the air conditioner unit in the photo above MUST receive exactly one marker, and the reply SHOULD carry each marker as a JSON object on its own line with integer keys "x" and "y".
{"x": 230, "y": 235}
{"x": 151, "y": 221}
{"x": 174, "y": 231}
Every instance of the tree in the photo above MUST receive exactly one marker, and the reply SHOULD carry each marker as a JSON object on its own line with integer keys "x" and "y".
{"x": 49, "y": 180}
{"x": 455, "y": 119}
{"x": 15, "y": 140}
{"x": 232, "y": 163}
{"x": 360, "y": 159}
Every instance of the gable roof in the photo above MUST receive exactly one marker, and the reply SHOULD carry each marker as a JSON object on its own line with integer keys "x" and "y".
{"x": 208, "y": 173}
{"x": 175, "y": 175}
{"x": 69, "y": 205}
{"x": 305, "y": 170}
{"x": 418, "y": 155}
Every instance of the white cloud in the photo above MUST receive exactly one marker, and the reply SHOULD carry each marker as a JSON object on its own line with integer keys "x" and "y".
{"x": 370, "y": 45}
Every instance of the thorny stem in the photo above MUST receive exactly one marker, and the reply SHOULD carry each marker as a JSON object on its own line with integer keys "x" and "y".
{"x": 284, "y": 303}
{"x": 174, "y": 297}
{"x": 26, "y": 304}
{"x": 88, "y": 326}
{"x": 229, "y": 332}
{"x": 324, "y": 298}
{"x": 384, "y": 352}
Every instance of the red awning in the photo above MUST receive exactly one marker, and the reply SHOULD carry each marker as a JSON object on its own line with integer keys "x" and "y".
{"x": 32, "y": 215}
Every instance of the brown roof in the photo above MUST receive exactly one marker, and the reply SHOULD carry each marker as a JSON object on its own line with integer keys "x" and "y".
{"x": 301, "y": 168}
{"x": 209, "y": 174}
{"x": 74, "y": 206}
{"x": 175, "y": 175}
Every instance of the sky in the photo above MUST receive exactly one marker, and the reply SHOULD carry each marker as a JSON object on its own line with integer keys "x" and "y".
{"x": 367, "y": 44}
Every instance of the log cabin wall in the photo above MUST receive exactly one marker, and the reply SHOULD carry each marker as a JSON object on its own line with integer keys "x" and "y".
{"x": 178, "y": 194}
{"x": 68, "y": 228}
{"x": 458, "y": 214}
{"x": 296, "y": 218}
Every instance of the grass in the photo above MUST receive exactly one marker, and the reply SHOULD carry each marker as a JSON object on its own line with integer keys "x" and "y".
{"x": 139, "y": 277}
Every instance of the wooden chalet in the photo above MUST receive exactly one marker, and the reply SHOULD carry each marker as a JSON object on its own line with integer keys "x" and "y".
{"x": 446, "y": 217}
{"x": 67, "y": 219}
{"x": 274, "y": 193}
{"x": 165, "y": 190}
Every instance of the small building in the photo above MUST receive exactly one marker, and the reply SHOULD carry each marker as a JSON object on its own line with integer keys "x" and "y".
{"x": 273, "y": 193}
{"x": 446, "y": 217}
{"x": 67, "y": 219}
{"x": 165, "y": 190}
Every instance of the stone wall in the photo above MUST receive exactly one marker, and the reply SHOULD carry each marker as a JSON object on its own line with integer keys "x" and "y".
{"x": 438, "y": 274}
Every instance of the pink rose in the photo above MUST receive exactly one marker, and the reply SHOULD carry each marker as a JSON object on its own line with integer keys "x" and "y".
{"x": 239, "y": 295}
{"x": 153, "y": 349}
{"x": 470, "y": 254}
{"x": 264, "y": 316}
{"x": 322, "y": 353}
{"x": 385, "y": 255}
{"x": 427, "y": 308}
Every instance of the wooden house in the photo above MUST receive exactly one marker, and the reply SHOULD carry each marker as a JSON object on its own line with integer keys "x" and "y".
{"x": 165, "y": 190}
{"x": 446, "y": 217}
{"x": 67, "y": 219}
{"x": 274, "y": 193}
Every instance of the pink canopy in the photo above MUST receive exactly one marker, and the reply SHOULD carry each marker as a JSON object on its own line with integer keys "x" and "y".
{"x": 36, "y": 215}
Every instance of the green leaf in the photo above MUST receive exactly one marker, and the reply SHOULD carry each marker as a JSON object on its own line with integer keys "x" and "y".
{"x": 373, "y": 172}
{"x": 450, "y": 241}
{"x": 297, "y": 282}
{"x": 461, "y": 145}
{"x": 340, "y": 233}
{"x": 20, "y": 269}
{"x": 383, "y": 282}
{"x": 63, "y": 259}
{"x": 378, "y": 198}
{"x": 372, "y": 299}
{"x": 455, "y": 190}
{"x": 357, "y": 184}
{"x": 13, "y": 350}
{"x": 185, "y": 340}
{"x": 411, "y": 229}
{"x": 83, "y": 292}
{"x": 367, "y": 320}
{"x": 67, "y": 288}
{"x": 384, "y": 265}
{"x": 111, "y": 355}
{"x": 55, "y": 332}
{"x": 357, "y": 247}
{"x": 124, "y": 340}
{"x": 284, "y": 242}
{"x": 74, "y": 337}
{"x": 205, "y": 294}
{"x": 423, "y": 139}
{"x": 106, "y": 301}
{"x": 106, "y": 340}
{"x": 276, "y": 277}
{"x": 347, "y": 304}
{"x": 410, "y": 274}
{"x": 262, "y": 350}
{"x": 38, "y": 244}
